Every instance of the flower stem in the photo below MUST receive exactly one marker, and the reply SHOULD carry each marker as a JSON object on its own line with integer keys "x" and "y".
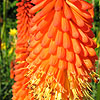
{"x": 4, "y": 24}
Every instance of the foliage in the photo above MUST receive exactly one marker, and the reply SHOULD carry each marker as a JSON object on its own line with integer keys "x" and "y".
{"x": 8, "y": 46}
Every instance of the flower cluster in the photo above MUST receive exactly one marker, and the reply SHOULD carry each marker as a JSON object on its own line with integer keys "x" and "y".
{"x": 55, "y": 56}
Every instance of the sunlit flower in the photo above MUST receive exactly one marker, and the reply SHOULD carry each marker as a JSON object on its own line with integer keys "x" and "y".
{"x": 11, "y": 50}
{"x": 13, "y": 32}
{"x": 98, "y": 44}
{"x": 95, "y": 39}
{"x": 3, "y": 46}
{"x": 55, "y": 50}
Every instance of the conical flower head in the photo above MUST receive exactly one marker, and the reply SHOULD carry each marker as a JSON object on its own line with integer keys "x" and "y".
{"x": 20, "y": 69}
{"x": 60, "y": 55}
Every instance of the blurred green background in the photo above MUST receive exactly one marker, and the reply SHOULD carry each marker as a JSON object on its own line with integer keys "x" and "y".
{"x": 8, "y": 36}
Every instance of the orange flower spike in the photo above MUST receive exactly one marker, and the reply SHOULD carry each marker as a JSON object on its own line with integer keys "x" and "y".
{"x": 55, "y": 51}
{"x": 21, "y": 49}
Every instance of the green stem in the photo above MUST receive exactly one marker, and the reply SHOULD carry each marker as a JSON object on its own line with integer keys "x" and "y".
{"x": 4, "y": 24}
{"x": 99, "y": 14}
{"x": 93, "y": 2}
{"x": 3, "y": 36}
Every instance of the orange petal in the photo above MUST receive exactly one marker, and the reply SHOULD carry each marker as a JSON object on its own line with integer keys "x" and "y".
{"x": 67, "y": 11}
{"x": 32, "y": 45}
{"x": 60, "y": 52}
{"x": 82, "y": 13}
{"x": 45, "y": 41}
{"x": 66, "y": 41}
{"x": 36, "y": 1}
{"x": 38, "y": 36}
{"x": 36, "y": 62}
{"x": 71, "y": 69}
{"x": 53, "y": 60}
{"x": 69, "y": 56}
{"x": 57, "y": 18}
{"x": 37, "y": 49}
{"x": 83, "y": 37}
{"x": 52, "y": 31}
{"x": 73, "y": 1}
{"x": 37, "y": 7}
{"x": 91, "y": 51}
{"x": 44, "y": 11}
{"x": 76, "y": 46}
{"x": 78, "y": 61}
{"x": 46, "y": 21}
{"x": 52, "y": 47}
{"x": 77, "y": 19}
{"x": 65, "y": 24}
{"x": 91, "y": 11}
{"x": 36, "y": 17}
{"x": 59, "y": 37}
{"x": 84, "y": 51}
{"x": 85, "y": 5}
{"x": 59, "y": 75}
{"x": 47, "y": 8}
{"x": 88, "y": 64}
{"x": 74, "y": 32}
{"x": 58, "y": 5}
{"x": 44, "y": 54}
{"x": 62, "y": 64}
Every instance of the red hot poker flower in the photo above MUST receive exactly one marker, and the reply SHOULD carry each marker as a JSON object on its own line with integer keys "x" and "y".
{"x": 60, "y": 55}
{"x": 20, "y": 69}
{"x": 62, "y": 51}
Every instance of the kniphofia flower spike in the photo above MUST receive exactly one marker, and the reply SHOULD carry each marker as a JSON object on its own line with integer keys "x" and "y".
{"x": 55, "y": 51}
{"x": 20, "y": 69}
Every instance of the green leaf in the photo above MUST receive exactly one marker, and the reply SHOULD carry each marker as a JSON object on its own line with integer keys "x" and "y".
{"x": 98, "y": 92}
